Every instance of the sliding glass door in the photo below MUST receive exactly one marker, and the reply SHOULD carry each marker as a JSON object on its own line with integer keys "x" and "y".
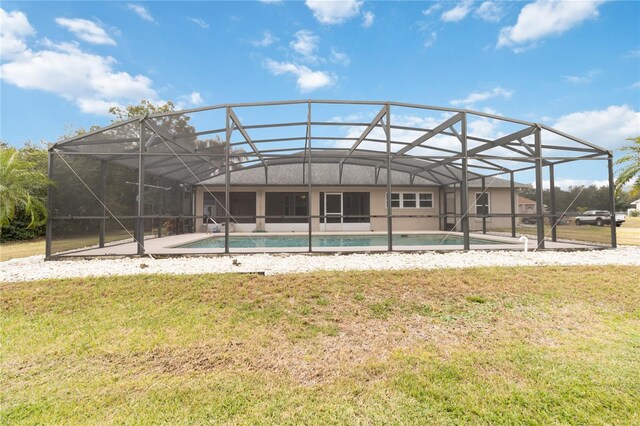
{"x": 333, "y": 211}
{"x": 344, "y": 211}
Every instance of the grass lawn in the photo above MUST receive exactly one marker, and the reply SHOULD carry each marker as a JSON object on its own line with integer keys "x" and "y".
{"x": 490, "y": 345}
{"x": 627, "y": 234}
{"x": 17, "y": 249}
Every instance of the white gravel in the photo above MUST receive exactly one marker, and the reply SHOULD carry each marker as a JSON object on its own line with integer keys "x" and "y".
{"x": 35, "y": 268}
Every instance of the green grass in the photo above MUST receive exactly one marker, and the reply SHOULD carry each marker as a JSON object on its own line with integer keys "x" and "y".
{"x": 496, "y": 346}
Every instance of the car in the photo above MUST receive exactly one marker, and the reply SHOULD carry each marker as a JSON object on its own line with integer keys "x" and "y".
{"x": 598, "y": 218}
{"x": 529, "y": 220}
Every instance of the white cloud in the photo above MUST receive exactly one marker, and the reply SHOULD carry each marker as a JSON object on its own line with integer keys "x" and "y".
{"x": 489, "y": 11}
{"x": 582, "y": 79}
{"x": 14, "y": 29}
{"x": 475, "y": 97}
{"x": 86, "y": 30}
{"x": 307, "y": 79}
{"x": 544, "y": 18}
{"x": 267, "y": 40}
{"x": 306, "y": 44}
{"x": 483, "y": 127}
{"x": 567, "y": 183}
{"x": 340, "y": 57}
{"x": 199, "y": 22}
{"x": 430, "y": 35}
{"x": 191, "y": 100}
{"x": 334, "y": 12}
{"x": 458, "y": 13}
{"x": 433, "y": 8}
{"x": 636, "y": 85}
{"x": 88, "y": 80}
{"x": 607, "y": 128}
{"x": 399, "y": 135}
{"x": 141, "y": 11}
{"x": 635, "y": 53}
{"x": 430, "y": 39}
{"x": 367, "y": 19}
{"x": 195, "y": 99}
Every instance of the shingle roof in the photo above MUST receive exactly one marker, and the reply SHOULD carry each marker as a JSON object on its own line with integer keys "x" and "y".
{"x": 325, "y": 171}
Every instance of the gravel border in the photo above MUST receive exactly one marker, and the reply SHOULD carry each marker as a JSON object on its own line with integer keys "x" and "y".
{"x": 35, "y": 267}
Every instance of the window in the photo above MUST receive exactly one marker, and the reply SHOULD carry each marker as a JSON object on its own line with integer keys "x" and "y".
{"x": 412, "y": 200}
{"x": 243, "y": 206}
{"x": 395, "y": 199}
{"x": 288, "y": 205}
{"x": 482, "y": 204}
{"x": 409, "y": 200}
{"x": 355, "y": 204}
{"x": 426, "y": 200}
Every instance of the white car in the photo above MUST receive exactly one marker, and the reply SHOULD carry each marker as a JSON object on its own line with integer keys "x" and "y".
{"x": 599, "y": 218}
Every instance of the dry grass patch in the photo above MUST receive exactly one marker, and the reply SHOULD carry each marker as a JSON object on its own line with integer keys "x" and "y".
{"x": 18, "y": 249}
{"x": 492, "y": 345}
{"x": 627, "y": 234}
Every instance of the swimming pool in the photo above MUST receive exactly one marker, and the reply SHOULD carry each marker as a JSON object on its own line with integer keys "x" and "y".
{"x": 274, "y": 241}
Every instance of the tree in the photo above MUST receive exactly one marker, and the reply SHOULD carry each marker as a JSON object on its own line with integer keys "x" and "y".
{"x": 631, "y": 171}
{"x": 20, "y": 185}
{"x": 177, "y": 125}
{"x": 145, "y": 107}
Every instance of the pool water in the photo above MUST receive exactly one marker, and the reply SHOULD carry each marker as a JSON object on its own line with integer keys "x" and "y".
{"x": 275, "y": 241}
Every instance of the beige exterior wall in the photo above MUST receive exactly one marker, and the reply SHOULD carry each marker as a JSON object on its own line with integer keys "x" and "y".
{"x": 527, "y": 209}
{"x": 499, "y": 203}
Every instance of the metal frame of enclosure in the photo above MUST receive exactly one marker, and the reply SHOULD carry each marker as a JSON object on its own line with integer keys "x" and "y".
{"x": 116, "y": 169}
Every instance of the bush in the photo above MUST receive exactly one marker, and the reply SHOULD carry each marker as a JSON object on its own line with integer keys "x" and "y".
{"x": 18, "y": 229}
{"x": 634, "y": 213}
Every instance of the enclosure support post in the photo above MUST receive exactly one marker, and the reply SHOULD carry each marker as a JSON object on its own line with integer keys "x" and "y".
{"x": 309, "y": 203}
{"x": 484, "y": 215}
{"x": 160, "y": 214}
{"x": 103, "y": 196}
{"x": 539, "y": 199}
{"x": 552, "y": 202}
{"x": 464, "y": 184}
{"x": 612, "y": 198}
{"x": 443, "y": 208}
{"x": 512, "y": 186}
{"x": 389, "y": 212}
{"x": 139, "y": 219}
{"x": 227, "y": 175}
{"x": 49, "y": 230}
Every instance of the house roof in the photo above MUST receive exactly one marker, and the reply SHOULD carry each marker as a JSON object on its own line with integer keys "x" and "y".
{"x": 523, "y": 200}
{"x": 326, "y": 170}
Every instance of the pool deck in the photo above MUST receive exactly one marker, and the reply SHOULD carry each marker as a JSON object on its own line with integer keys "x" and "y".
{"x": 168, "y": 246}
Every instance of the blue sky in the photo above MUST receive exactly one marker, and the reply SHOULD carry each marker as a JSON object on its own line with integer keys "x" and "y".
{"x": 574, "y": 65}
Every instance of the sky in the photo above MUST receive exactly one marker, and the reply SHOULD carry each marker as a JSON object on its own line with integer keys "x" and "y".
{"x": 574, "y": 65}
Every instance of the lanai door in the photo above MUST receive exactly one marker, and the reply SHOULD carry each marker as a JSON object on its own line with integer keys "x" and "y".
{"x": 346, "y": 211}
{"x": 450, "y": 221}
{"x": 333, "y": 211}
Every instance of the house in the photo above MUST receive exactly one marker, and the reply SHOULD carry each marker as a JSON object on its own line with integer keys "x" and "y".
{"x": 635, "y": 205}
{"x": 291, "y": 167}
{"x": 526, "y": 206}
{"x": 351, "y": 200}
